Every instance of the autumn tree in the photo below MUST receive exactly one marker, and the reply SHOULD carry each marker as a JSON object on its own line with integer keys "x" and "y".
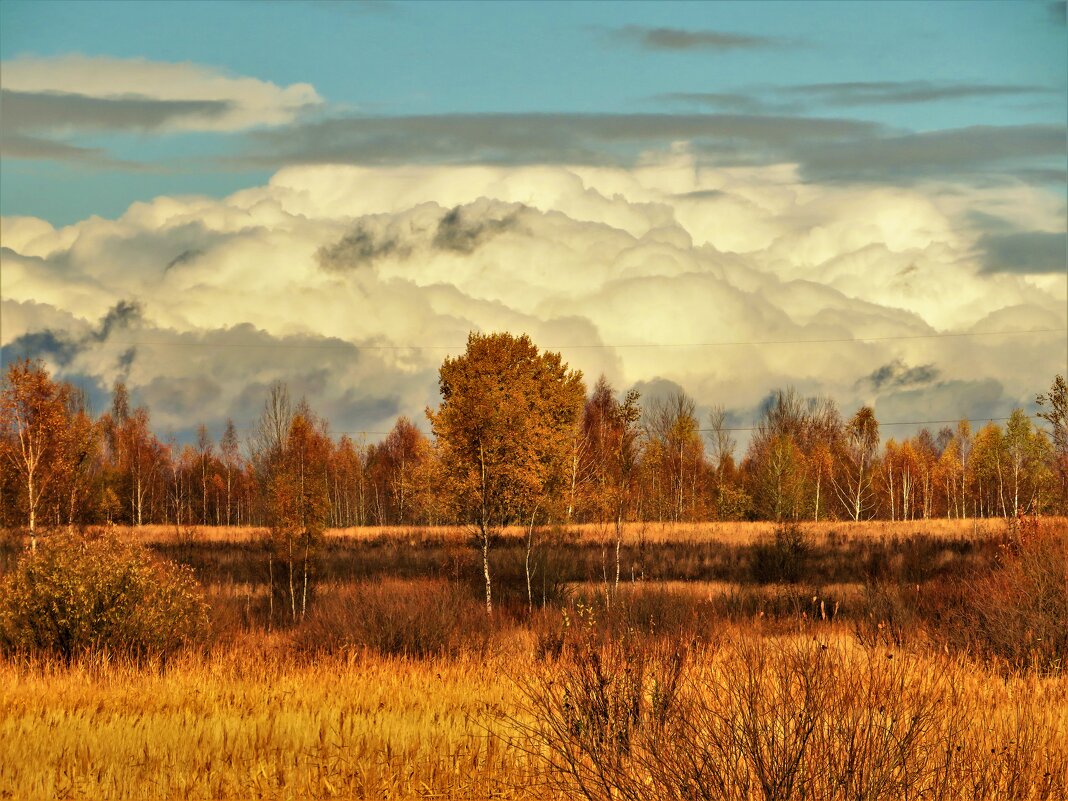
{"x": 34, "y": 428}
{"x": 393, "y": 465}
{"x": 137, "y": 456}
{"x": 231, "y": 462}
{"x": 85, "y": 460}
{"x": 854, "y": 480}
{"x": 1054, "y": 406}
{"x": 1028, "y": 455}
{"x": 792, "y": 454}
{"x": 348, "y": 485}
{"x": 674, "y": 457}
{"x": 611, "y": 432}
{"x": 987, "y": 464}
{"x": 205, "y": 457}
{"x": 298, "y": 505}
{"x": 504, "y": 428}
{"x": 730, "y": 501}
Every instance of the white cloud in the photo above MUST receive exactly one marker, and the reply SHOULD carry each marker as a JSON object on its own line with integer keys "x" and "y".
{"x": 239, "y": 102}
{"x": 283, "y": 280}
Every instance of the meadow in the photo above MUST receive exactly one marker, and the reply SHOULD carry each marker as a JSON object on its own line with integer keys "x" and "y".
{"x": 734, "y": 661}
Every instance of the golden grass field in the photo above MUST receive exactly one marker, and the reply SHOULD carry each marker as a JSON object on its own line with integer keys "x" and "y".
{"x": 251, "y": 724}
{"x": 652, "y": 532}
{"x": 251, "y": 715}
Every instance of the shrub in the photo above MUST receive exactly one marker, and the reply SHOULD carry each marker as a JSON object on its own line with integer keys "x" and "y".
{"x": 783, "y": 720}
{"x": 416, "y": 618}
{"x": 79, "y": 595}
{"x": 783, "y": 557}
{"x": 1016, "y": 612}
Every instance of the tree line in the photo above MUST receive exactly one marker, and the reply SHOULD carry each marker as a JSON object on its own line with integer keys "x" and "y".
{"x": 517, "y": 439}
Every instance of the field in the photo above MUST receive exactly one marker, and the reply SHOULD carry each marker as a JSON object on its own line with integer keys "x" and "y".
{"x": 733, "y": 661}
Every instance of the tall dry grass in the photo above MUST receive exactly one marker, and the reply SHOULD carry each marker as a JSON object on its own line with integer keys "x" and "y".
{"x": 711, "y": 682}
{"x": 257, "y": 724}
{"x": 785, "y": 719}
{"x": 739, "y": 716}
{"x": 651, "y": 532}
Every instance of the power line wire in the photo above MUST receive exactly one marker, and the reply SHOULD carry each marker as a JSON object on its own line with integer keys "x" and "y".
{"x": 629, "y": 345}
{"x": 756, "y": 428}
{"x": 901, "y": 423}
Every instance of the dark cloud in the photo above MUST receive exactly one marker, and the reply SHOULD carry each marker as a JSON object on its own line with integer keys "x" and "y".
{"x": 826, "y": 149}
{"x": 946, "y": 400}
{"x": 875, "y": 93}
{"x": 356, "y": 8}
{"x": 657, "y": 390}
{"x": 123, "y": 315}
{"x": 462, "y": 233}
{"x": 50, "y": 111}
{"x": 359, "y": 247}
{"x": 181, "y": 397}
{"x": 704, "y": 194}
{"x": 736, "y": 102}
{"x": 373, "y": 408}
{"x": 46, "y": 344}
{"x": 534, "y": 138}
{"x": 959, "y": 152}
{"x": 17, "y": 146}
{"x": 1043, "y": 176}
{"x": 1058, "y": 12}
{"x": 1025, "y": 252}
{"x": 679, "y": 39}
{"x": 126, "y": 360}
{"x": 185, "y": 257}
{"x": 896, "y": 374}
{"x": 61, "y": 348}
{"x": 462, "y": 229}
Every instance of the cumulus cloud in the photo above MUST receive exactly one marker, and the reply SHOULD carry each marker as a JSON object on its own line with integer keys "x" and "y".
{"x": 352, "y": 284}
{"x": 77, "y": 93}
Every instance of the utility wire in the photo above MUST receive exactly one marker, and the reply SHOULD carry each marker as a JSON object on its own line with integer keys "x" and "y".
{"x": 630, "y": 345}
{"x": 756, "y": 428}
{"x": 901, "y": 423}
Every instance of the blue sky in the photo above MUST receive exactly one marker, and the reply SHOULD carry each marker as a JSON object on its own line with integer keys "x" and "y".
{"x": 202, "y": 198}
{"x": 403, "y": 59}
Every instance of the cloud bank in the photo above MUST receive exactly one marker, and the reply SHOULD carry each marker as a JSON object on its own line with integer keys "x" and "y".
{"x": 83, "y": 93}
{"x": 352, "y": 283}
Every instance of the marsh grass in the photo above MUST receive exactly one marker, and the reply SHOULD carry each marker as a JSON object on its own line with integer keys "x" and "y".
{"x": 876, "y": 674}
{"x": 255, "y": 723}
{"x": 784, "y": 718}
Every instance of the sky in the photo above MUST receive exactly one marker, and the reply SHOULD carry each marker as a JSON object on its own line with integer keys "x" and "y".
{"x": 860, "y": 200}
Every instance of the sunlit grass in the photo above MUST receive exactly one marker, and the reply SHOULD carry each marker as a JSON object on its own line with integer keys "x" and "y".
{"x": 256, "y": 724}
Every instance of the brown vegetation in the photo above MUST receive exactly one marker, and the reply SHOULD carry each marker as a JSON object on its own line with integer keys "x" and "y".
{"x": 638, "y": 645}
{"x": 398, "y": 685}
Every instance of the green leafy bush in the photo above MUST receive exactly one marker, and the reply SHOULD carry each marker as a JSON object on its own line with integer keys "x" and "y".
{"x": 79, "y": 595}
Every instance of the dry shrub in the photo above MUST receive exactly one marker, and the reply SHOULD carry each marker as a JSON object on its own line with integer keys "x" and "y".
{"x": 80, "y": 595}
{"x": 887, "y": 615}
{"x": 415, "y": 618}
{"x": 782, "y": 557}
{"x": 775, "y": 719}
{"x": 1017, "y": 613}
